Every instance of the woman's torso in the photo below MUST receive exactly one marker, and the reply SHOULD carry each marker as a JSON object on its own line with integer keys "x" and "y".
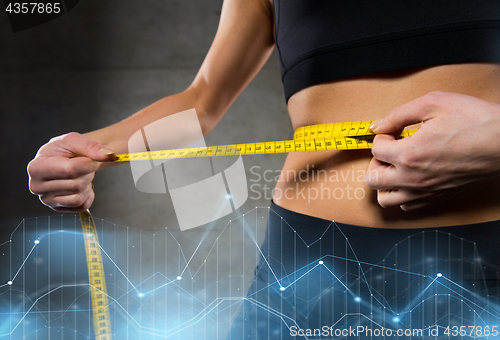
{"x": 330, "y": 184}
{"x": 324, "y": 47}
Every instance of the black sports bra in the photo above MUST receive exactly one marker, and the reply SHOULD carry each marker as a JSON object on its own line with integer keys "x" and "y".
{"x": 325, "y": 40}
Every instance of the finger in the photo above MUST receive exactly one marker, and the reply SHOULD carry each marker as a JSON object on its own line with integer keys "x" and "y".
{"x": 414, "y": 205}
{"x": 79, "y": 145}
{"x": 61, "y": 187}
{"x": 50, "y": 168}
{"x": 90, "y": 199}
{"x": 83, "y": 207}
{"x": 67, "y": 201}
{"x": 382, "y": 176}
{"x": 413, "y": 112}
{"x": 74, "y": 144}
{"x": 393, "y": 198}
{"x": 387, "y": 148}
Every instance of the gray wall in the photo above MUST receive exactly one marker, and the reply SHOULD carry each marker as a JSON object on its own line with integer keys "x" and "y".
{"x": 101, "y": 62}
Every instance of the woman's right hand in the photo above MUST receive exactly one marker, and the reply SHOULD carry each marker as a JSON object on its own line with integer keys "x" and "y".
{"x": 62, "y": 171}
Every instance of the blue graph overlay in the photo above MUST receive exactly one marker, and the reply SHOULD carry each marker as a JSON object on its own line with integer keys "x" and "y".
{"x": 195, "y": 284}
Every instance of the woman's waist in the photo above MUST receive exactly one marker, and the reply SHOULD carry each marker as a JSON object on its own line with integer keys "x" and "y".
{"x": 331, "y": 185}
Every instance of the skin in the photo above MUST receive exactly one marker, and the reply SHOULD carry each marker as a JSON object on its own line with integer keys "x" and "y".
{"x": 446, "y": 174}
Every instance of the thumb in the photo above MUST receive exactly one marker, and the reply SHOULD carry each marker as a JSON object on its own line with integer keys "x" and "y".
{"x": 413, "y": 112}
{"x": 74, "y": 144}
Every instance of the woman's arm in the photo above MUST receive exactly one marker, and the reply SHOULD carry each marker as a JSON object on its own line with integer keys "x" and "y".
{"x": 62, "y": 171}
{"x": 242, "y": 45}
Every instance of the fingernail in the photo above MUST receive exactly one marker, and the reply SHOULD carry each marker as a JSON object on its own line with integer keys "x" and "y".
{"x": 106, "y": 152}
{"x": 375, "y": 125}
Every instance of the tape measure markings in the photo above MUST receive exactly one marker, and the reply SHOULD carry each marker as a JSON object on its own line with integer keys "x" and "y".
{"x": 97, "y": 280}
{"x": 334, "y": 136}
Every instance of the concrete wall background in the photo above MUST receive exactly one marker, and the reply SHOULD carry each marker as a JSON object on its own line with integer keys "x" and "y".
{"x": 100, "y": 63}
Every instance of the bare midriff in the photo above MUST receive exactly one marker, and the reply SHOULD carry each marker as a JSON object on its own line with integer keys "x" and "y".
{"x": 330, "y": 184}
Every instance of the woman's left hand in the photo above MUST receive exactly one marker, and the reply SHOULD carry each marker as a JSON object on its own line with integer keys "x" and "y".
{"x": 457, "y": 144}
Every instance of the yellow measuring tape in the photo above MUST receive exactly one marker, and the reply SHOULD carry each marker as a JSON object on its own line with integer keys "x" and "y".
{"x": 97, "y": 280}
{"x": 321, "y": 137}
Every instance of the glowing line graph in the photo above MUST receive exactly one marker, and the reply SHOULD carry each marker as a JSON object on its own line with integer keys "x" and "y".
{"x": 213, "y": 306}
{"x": 208, "y": 308}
